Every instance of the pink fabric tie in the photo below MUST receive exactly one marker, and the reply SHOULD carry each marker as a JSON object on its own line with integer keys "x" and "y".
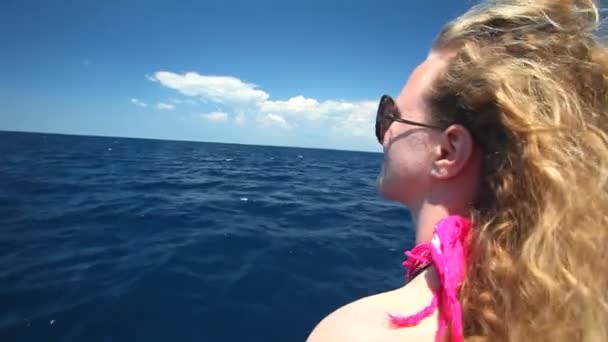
{"x": 447, "y": 252}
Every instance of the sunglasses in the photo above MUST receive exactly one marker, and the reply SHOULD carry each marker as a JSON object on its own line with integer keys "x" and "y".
{"x": 387, "y": 113}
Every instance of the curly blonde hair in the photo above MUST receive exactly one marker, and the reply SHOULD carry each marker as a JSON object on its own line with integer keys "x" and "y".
{"x": 529, "y": 80}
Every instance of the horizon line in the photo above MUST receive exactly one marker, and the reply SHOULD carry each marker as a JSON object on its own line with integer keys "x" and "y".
{"x": 184, "y": 140}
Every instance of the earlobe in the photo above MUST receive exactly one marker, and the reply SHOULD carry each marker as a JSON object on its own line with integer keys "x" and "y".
{"x": 438, "y": 172}
{"x": 438, "y": 168}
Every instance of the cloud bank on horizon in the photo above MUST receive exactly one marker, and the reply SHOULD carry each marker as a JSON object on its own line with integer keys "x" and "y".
{"x": 241, "y": 103}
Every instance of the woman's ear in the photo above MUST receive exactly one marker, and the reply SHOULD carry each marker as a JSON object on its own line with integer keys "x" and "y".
{"x": 453, "y": 152}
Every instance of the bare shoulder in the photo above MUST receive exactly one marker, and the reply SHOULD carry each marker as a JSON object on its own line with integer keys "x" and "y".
{"x": 352, "y": 322}
{"x": 367, "y": 319}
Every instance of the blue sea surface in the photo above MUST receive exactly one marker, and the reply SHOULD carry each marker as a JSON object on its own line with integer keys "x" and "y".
{"x": 112, "y": 239}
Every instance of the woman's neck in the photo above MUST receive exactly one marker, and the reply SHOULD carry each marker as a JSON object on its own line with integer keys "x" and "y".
{"x": 428, "y": 214}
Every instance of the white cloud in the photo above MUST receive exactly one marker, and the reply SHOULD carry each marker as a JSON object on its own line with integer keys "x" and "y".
{"x": 215, "y": 116}
{"x": 222, "y": 89}
{"x": 165, "y": 106}
{"x": 312, "y": 109}
{"x": 349, "y": 118}
{"x": 342, "y": 118}
{"x": 137, "y": 102}
{"x": 358, "y": 121}
{"x": 295, "y": 105}
{"x": 273, "y": 120}
{"x": 151, "y": 78}
{"x": 239, "y": 119}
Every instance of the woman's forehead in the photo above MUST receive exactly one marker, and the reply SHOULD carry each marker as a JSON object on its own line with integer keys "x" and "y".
{"x": 411, "y": 99}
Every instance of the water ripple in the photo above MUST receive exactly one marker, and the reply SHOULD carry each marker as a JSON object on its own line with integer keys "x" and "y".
{"x": 121, "y": 239}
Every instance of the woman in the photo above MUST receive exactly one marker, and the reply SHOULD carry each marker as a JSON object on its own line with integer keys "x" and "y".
{"x": 498, "y": 146}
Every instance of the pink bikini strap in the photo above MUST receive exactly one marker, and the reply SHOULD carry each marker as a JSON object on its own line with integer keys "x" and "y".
{"x": 448, "y": 255}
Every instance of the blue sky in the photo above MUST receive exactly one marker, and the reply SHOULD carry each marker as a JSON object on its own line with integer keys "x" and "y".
{"x": 290, "y": 73}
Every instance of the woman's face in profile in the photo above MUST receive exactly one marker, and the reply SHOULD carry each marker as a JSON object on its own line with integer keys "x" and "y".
{"x": 407, "y": 148}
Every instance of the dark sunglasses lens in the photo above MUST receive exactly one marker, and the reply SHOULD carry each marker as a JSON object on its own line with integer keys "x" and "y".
{"x": 383, "y": 120}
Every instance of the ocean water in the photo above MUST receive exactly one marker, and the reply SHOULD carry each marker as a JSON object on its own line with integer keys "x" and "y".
{"x": 110, "y": 239}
